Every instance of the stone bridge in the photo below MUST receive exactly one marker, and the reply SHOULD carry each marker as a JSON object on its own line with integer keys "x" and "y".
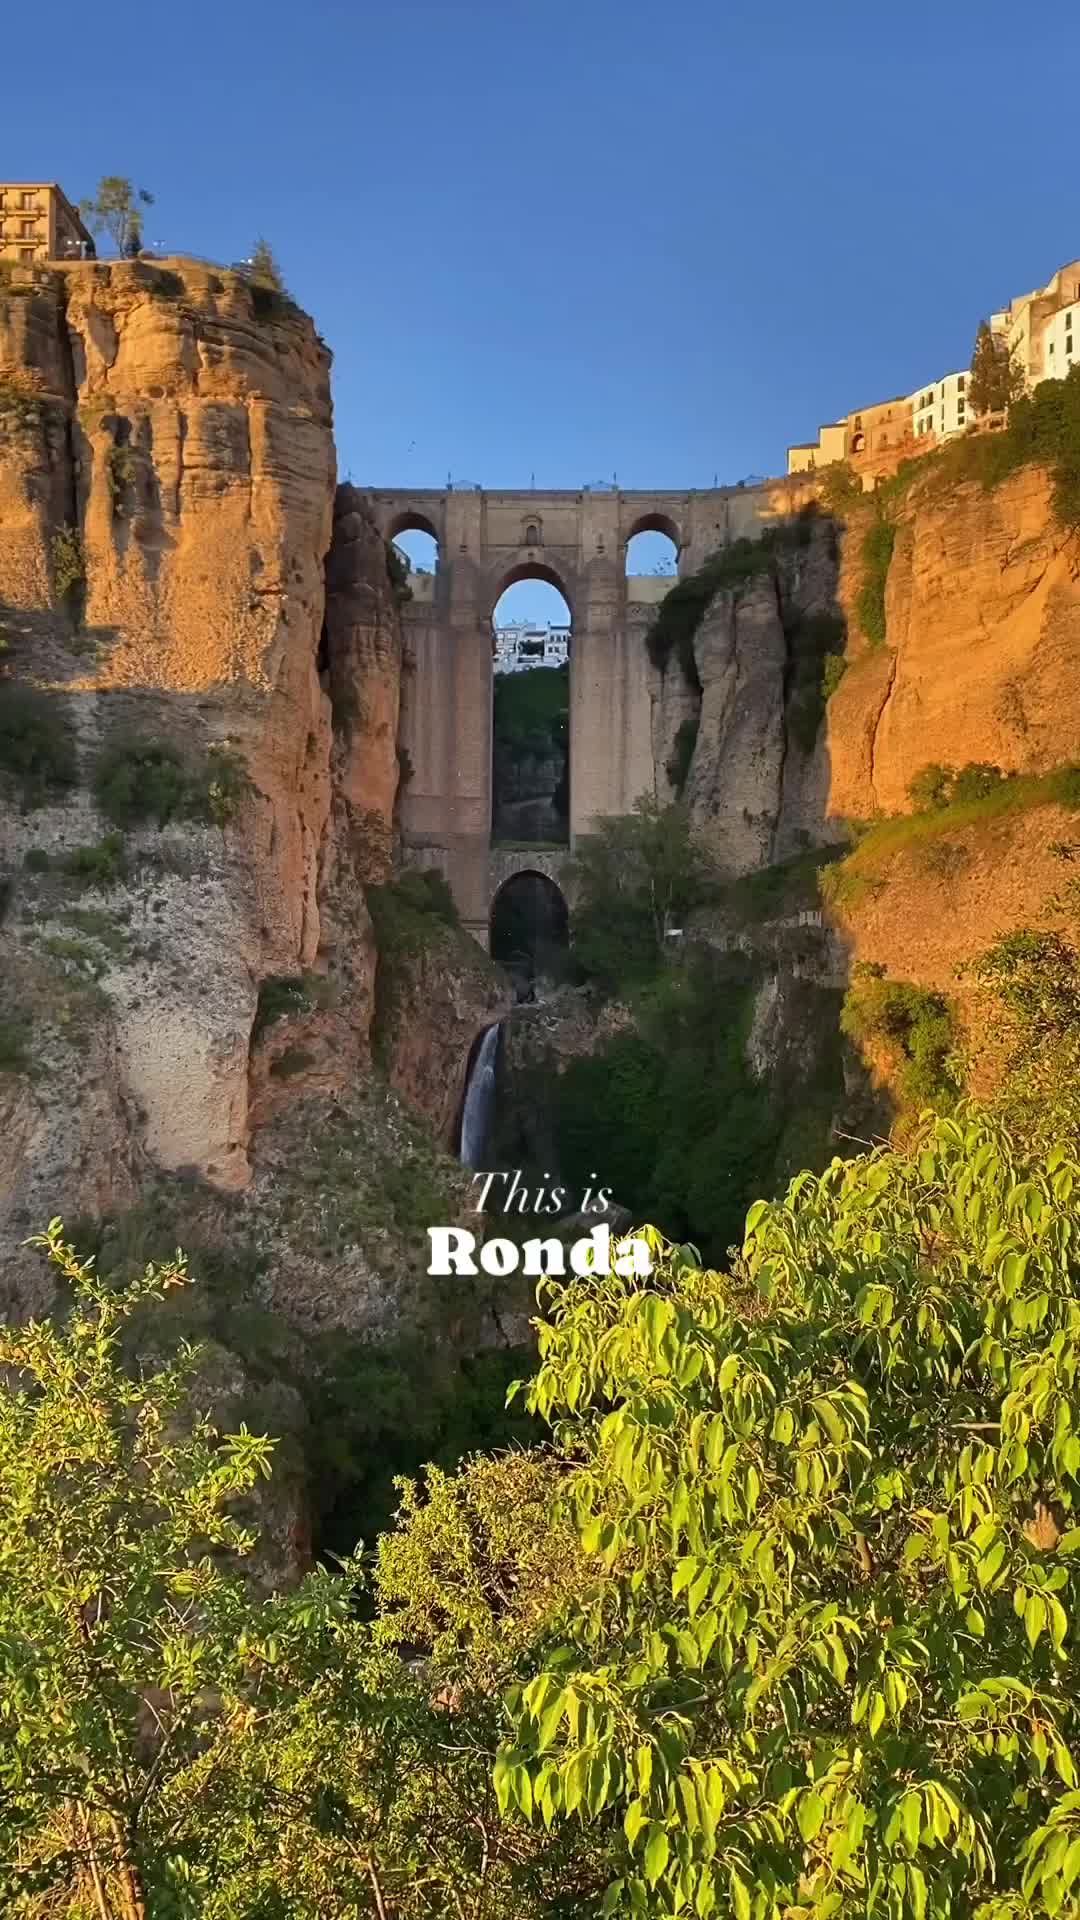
{"x": 577, "y": 542}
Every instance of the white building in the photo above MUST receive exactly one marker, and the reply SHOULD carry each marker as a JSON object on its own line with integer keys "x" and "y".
{"x": 941, "y": 407}
{"x": 1061, "y": 342}
{"x": 519, "y": 647}
{"x": 1033, "y": 326}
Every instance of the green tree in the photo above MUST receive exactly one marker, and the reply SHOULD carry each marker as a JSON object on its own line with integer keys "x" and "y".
{"x": 117, "y": 211}
{"x": 825, "y": 1665}
{"x": 264, "y": 267}
{"x": 996, "y": 377}
{"x": 636, "y": 877}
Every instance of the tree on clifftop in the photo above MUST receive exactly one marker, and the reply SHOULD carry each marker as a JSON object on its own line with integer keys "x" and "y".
{"x": 117, "y": 211}
{"x": 264, "y": 267}
{"x": 996, "y": 377}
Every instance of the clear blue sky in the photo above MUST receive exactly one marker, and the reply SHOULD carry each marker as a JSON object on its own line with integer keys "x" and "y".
{"x": 584, "y": 238}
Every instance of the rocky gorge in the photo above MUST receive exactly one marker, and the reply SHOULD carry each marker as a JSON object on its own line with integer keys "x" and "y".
{"x": 233, "y": 1021}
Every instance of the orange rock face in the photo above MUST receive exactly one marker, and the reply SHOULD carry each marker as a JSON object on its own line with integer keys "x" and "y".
{"x": 171, "y": 426}
{"x": 983, "y": 646}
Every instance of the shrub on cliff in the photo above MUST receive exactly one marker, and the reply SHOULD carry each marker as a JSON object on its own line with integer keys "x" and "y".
{"x": 138, "y": 780}
{"x": 824, "y": 1665}
{"x": 917, "y": 1024}
{"x": 38, "y": 755}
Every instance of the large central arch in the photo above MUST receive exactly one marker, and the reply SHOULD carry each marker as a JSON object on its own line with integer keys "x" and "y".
{"x": 577, "y": 542}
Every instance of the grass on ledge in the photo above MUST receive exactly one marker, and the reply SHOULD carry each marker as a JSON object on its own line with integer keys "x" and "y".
{"x": 845, "y": 883}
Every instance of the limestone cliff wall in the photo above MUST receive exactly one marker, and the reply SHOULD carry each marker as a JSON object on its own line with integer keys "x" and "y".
{"x": 165, "y": 432}
{"x": 980, "y": 663}
{"x": 982, "y": 651}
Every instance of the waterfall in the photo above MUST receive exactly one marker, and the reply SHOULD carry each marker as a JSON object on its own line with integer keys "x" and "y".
{"x": 479, "y": 1107}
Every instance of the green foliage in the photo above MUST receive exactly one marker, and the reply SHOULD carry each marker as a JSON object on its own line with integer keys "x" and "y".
{"x": 1034, "y": 977}
{"x": 816, "y": 666}
{"x": 37, "y": 744}
{"x": 668, "y": 1113}
{"x": 877, "y": 551}
{"x": 1043, "y": 428}
{"x": 383, "y": 1410}
{"x": 14, "y": 1055}
{"x": 678, "y": 762}
{"x": 409, "y": 915}
{"x": 636, "y": 877}
{"x": 918, "y": 1023}
{"x": 289, "y": 997}
{"x": 68, "y": 566}
{"x": 264, "y": 268}
{"x": 936, "y": 786}
{"x": 120, "y": 474}
{"x": 531, "y": 710}
{"x": 137, "y": 780}
{"x": 841, "y": 489}
{"x": 824, "y": 1664}
{"x": 398, "y": 567}
{"x": 843, "y": 884}
{"x": 134, "y": 1658}
{"x": 997, "y": 378}
{"x": 117, "y": 211}
{"x": 682, "y": 610}
{"x": 102, "y": 863}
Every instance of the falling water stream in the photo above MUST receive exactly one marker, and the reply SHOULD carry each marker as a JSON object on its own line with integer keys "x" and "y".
{"x": 479, "y": 1108}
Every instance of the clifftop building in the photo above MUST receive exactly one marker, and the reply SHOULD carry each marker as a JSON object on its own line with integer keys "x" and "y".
{"x": 38, "y": 222}
{"x": 1042, "y": 330}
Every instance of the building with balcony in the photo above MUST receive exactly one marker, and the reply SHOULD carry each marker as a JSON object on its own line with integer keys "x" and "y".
{"x": 1033, "y": 327}
{"x": 38, "y": 222}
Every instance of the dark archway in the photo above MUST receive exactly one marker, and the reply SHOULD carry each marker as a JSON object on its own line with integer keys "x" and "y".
{"x": 529, "y": 929}
{"x": 530, "y": 738}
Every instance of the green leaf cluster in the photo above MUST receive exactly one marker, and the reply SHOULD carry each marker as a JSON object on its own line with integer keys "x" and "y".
{"x": 826, "y": 1663}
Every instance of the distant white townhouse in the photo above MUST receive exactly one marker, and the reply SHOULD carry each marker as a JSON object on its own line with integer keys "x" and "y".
{"x": 519, "y": 647}
{"x": 941, "y": 407}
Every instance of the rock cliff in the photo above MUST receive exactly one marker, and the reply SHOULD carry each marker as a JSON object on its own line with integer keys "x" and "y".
{"x": 978, "y": 663}
{"x": 982, "y": 610}
{"x": 199, "y": 685}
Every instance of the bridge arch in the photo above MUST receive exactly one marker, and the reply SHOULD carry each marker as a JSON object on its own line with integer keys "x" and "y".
{"x": 528, "y": 567}
{"x": 528, "y": 922}
{"x": 655, "y": 523}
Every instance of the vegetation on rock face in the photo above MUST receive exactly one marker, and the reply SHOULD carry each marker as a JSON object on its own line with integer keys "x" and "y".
{"x": 682, "y": 610}
{"x": 37, "y": 744}
{"x": 287, "y": 996}
{"x": 138, "y": 780}
{"x": 68, "y": 567}
{"x": 845, "y": 882}
{"x": 408, "y": 915}
{"x": 917, "y": 1023}
{"x": 877, "y": 551}
{"x": 635, "y": 878}
{"x": 817, "y": 666}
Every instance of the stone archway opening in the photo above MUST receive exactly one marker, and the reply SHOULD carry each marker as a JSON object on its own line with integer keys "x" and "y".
{"x": 530, "y": 930}
{"x": 416, "y": 545}
{"x": 530, "y": 742}
{"x": 652, "y": 548}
